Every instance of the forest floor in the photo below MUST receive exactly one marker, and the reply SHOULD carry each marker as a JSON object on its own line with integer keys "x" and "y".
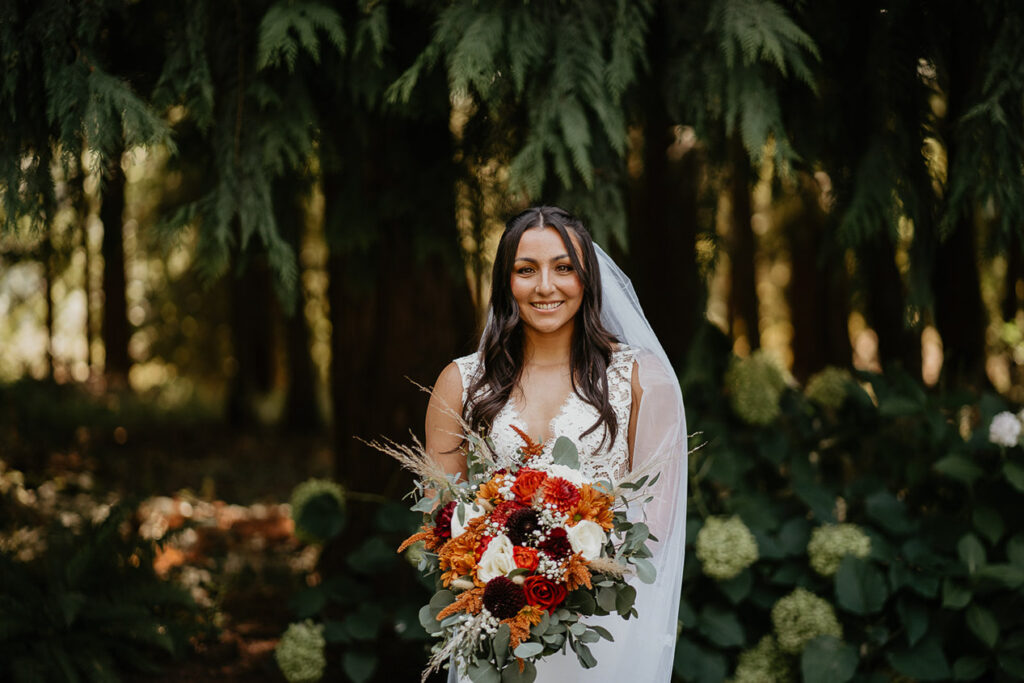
{"x": 214, "y": 501}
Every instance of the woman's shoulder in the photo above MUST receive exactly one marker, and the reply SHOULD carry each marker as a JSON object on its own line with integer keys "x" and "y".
{"x": 469, "y": 367}
{"x": 624, "y": 354}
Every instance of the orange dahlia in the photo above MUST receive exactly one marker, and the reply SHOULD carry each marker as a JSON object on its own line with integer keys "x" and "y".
{"x": 593, "y": 506}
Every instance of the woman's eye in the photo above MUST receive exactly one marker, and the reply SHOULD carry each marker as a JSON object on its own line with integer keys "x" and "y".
{"x": 564, "y": 268}
{"x": 525, "y": 270}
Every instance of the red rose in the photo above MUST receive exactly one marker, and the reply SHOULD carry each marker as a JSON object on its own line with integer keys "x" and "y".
{"x": 561, "y": 493}
{"x": 543, "y": 593}
{"x": 525, "y": 558}
{"x": 482, "y": 546}
{"x": 527, "y": 483}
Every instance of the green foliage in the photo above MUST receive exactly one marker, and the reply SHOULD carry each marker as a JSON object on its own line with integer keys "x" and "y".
{"x": 318, "y": 508}
{"x": 277, "y": 42}
{"x": 918, "y": 579}
{"x": 90, "y": 607}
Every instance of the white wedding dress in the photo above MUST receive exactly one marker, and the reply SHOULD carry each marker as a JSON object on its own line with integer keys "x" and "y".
{"x": 645, "y": 645}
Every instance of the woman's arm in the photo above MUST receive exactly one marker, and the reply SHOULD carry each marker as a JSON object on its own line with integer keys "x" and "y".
{"x": 443, "y": 431}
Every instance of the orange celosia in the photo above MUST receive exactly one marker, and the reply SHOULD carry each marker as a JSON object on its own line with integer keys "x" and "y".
{"x": 457, "y": 557}
{"x": 519, "y": 625}
{"x": 470, "y": 602}
{"x": 576, "y": 573}
{"x": 593, "y": 506}
{"x": 426, "y": 535}
{"x": 531, "y": 448}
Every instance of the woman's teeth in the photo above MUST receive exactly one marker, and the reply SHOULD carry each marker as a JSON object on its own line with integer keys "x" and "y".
{"x": 547, "y": 307}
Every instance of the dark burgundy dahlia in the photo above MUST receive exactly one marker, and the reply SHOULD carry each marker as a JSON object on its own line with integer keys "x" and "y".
{"x": 443, "y": 521}
{"x": 503, "y": 597}
{"x": 520, "y": 526}
{"x": 557, "y": 543}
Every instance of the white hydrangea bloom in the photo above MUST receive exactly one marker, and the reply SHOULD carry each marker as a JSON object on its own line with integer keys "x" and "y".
{"x": 1005, "y": 429}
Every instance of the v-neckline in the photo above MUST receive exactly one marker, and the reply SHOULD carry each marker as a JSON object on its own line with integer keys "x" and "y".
{"x": 547, "y": 438}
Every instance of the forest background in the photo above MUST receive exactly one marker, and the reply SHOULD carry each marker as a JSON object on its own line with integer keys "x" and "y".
{"x": 234, "y": 231}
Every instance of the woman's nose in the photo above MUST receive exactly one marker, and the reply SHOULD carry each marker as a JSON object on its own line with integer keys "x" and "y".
{"x": 544, "y": 285}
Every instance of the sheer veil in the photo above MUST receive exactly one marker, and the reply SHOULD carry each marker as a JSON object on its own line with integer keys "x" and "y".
{"x": 643, "y": 648}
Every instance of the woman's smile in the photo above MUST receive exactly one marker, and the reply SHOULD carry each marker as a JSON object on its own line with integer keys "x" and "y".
{"x": 545, "y": 283}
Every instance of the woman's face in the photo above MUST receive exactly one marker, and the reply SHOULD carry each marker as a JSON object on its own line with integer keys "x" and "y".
{"x": 544, "y": 283}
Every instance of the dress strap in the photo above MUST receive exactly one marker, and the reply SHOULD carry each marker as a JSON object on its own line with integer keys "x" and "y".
{"x": 469, "y": 369}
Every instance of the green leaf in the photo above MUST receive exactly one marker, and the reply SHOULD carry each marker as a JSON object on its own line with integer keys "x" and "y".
{"x": 586, "y": 657}
{"x": 428, "y": 620}
{"x": 624, "y": 601}
{"x": 335, "y": 631}
{"x": 322, "y": 517}
{"x": 925, "y": 661}
{"x": 359, "y": 666}
{"x": 511, "y": 674}
{"x": 1011, "y": 664}
{"x": 1015, "y": 550}
{"x": 959, "y": 468}
{"x": 983, "y": 624}
{"x": 969, "y": 668}
{"x": 606, "y": 598}
{"x": 989, "y": 523}
{"x": 603, "y": 632}
{"x": 564, "y": 453}
{"x": 308, "y": 602}
{"x": 971, "y": 552}
{"x": 793, "y": 536}
{"x": 484, "y": 672}
{"x": 1014, "y": 474}
{"x": 821, "y": 501}
{"x": 738, "y": 587}
{"x": 529, "y": 649}
{"x": 721, "y": 626}
{"x": 826, "y": 659}
{"x": 645, "y": 571}
{"x": 860, "y": 586}
{"x": 890, "y": 512}
{"x": 1008, "y": 575}
{"x": 695, "y": 663}
{"x": 500, "y": 644}
{"x": 914, "y": 616}
{"x": 954, "y": 596}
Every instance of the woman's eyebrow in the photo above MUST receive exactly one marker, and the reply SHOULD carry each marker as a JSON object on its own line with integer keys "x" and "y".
{"x": 533, "y": 260}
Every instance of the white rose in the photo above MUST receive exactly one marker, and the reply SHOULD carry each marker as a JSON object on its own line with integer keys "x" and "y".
{"x": 497, "y": 560}
{"x": 1004, "y": 430}
{"x": 574, "y": 477}
{"x": 587, "y": 538}
{"x": 469, "y": 512}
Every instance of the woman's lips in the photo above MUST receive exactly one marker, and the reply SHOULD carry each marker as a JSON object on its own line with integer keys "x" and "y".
{"x": 546, "y": 305}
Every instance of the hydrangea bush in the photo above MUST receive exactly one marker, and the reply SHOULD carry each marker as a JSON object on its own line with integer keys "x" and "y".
{"x": 884, "y": 524}
{"x": 300, "y": 653}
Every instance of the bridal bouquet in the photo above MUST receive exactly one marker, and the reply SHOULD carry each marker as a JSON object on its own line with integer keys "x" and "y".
{"x": 521, "y": 554}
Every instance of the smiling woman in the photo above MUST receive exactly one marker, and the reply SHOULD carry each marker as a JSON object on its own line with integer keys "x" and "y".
{"x": 565, "y": 356}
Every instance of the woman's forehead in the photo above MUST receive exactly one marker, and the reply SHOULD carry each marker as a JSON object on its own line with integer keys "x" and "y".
{"x": 545, "y": 242}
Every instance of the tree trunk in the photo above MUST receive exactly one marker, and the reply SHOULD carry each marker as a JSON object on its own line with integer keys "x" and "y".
{"x": 301, "y": 414}
{"x": 251, "y": 299}
{"x": 886, "y": 311}
{"x": 663, "y": 221}
{"x": 48, "y": 275}
{"x": 115, "y": 303}
{"x": 817, "y": 291}
{"x": 81, "y": 206}
{"x": 743, "y": 301}
{"x": 959, "y": 310}
{"x": 1014, "y": 279}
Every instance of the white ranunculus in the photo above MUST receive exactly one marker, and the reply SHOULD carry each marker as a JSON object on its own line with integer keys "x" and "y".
{"x": 574, "y": 477}
{"x": 469, "y": 512}
{"x": 1004, "y": 430}
{"x": 497, "y": 560}
{"x": 587, "y": 538}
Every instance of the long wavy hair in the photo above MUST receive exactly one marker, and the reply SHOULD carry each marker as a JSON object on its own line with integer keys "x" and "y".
{"x": 502, "y": 344}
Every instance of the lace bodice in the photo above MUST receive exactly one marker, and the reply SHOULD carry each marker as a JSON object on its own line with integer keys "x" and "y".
{"x": 574, "y": 418}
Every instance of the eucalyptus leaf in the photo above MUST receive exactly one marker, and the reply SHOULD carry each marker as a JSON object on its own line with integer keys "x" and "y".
{"x": 603, "y": 632}
{"x": 511, "y": 674}
{"x": 645, "y": 571}
{"x": 625, "y": 599}
{"x": 585, "y": 656}
{"x": 564, "y": 453}
{"x": 484, "y": 672}
{"x": 529, "y": 649}
{"x": 500, "y": 643}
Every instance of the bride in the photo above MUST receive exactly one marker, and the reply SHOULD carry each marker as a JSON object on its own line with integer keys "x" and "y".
{"x": 567, "y": 351}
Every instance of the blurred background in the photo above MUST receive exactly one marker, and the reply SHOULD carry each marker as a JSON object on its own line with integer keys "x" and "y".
{"x": 237, "y": 235}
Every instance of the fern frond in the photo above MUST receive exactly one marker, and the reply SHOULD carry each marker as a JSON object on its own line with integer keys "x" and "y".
{"x": 291, "y": 25}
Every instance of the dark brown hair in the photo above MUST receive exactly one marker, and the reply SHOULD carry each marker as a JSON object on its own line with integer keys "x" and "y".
{"x": 502, "y": 345}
